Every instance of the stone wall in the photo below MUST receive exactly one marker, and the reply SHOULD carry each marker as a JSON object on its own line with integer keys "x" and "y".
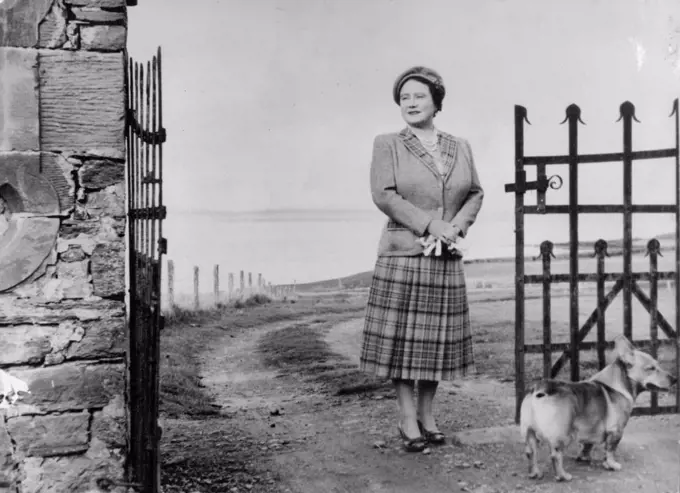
{"x": 62, "y": 232}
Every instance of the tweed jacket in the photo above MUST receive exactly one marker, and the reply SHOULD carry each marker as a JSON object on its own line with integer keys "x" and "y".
{"x": 407, "y": 187}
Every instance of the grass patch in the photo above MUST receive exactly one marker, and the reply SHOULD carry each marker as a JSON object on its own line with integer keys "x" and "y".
{"x": 302, "y": 350}
{"x": 188, "y": 333}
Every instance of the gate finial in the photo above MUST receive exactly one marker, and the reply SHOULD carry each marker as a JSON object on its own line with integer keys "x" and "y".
{"x": 573, "y": 111}
{"x": 601, "y": 248}
{"x": 675, "y": 107}
{"x": 522, "y": 112}
{"x": 546, "y": 250}
{"x": 653, "y": 246}
{"x": 627, "y": 109}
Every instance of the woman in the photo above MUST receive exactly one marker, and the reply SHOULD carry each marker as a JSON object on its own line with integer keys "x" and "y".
{"x": 417, "y": 325}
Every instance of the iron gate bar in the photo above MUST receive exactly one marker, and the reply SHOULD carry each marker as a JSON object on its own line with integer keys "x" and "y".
{"x": 601, "y": 209}
{"x": 557, "y": 347}
{"x": 546, "y": 253}
{"x": 609, "y": 277}
{"x": 601, "y": 253}
{"x": 583, "y": 331}
{"x": 601, "y": 158}
{"x": 627, "y": 110}
{"x": 520, "y": 118}
{"x": 647, "y": 303}
{"x": 574, "y": 117}
{"x": 676, "y": 113}
{"x": 653, "y": 251}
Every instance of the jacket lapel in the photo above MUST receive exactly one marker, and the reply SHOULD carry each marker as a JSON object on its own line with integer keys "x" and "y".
{"x": 448, "y": 147}
{"x": 416, "y": 148}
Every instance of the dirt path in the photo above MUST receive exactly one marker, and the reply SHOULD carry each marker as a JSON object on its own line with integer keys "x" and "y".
{"x": 288, "y": 426}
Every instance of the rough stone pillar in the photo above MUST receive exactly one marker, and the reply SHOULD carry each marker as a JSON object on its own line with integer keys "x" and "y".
{"x": 62, "y": 227}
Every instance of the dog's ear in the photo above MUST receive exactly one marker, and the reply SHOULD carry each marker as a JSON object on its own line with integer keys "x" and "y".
{"x": 624, "y": 349}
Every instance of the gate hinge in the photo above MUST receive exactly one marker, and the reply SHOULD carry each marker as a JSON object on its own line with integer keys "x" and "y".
{"x": 163, "y": 245}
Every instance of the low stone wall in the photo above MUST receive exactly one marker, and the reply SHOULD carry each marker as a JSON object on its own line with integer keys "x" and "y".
{"x": 62, "y": 243}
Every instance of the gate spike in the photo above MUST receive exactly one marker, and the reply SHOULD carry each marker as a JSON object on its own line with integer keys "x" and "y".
{"x": 573, "y": 111}
{"x": 653, "y": 246}
{"x": 601, "y": 248}
{"x": 675, "y": 107}
{"x": 546, "y": 250}
{"x": 523, "y": 112}
{"x": 627, "y": 109}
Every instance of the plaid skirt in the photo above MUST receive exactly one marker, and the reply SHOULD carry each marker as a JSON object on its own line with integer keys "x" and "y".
{"x": 417, "y": 324}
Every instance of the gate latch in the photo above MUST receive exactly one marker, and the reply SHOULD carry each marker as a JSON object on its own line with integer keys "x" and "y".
{"x": 541, "y": 185}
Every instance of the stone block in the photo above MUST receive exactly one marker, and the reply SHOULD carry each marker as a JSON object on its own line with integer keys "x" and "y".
{"x": 20, "y": 312}
{"x": 74, "y": 253}
{"x": 104, "y": 338}
{"x": 7, "y": 462}
{"x": 108, "y": 270}
{"x": 107, "y": 4}
{"x": 30, "y": 344}
{"x": 107, "y": 202}
{"x": 94, "y": 84}
{"x": 19, "y": 105}
{"x": 74, "y": 279}
{"x": 58, "y": 171}
{"x": 109, "y": 425}
{"x": 52, "y": 29}
{"x": 76, "y": 474}
{"x": 103, "y": 38}
{"x": 96, "y": 174}
{"x": 47, "y": 436}
{"x": 88, "y": 14}
{"x": 73, "y": 228}
{"x": 19, "y": 21}
{"x": 71, "y": 385}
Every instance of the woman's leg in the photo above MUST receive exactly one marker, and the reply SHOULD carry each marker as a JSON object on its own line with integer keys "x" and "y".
{"x": 408, "y": 416}
{"x": 426, "y": 391}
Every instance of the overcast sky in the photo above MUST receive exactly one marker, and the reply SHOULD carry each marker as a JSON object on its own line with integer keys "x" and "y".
{"x": 275, "y": 103}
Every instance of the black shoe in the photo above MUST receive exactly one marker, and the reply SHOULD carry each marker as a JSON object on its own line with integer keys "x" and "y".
{"x": 433, "y": 437}
{"x": 417, "y": 444}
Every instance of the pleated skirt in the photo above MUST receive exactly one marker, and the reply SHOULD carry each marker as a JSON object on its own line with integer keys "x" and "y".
{"x": 417, "y": 324}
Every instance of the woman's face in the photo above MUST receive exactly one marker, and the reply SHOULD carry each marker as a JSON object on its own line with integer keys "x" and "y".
{"x": 417, "y": 106}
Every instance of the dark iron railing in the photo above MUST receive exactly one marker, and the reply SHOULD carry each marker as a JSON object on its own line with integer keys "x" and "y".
{"x": 625, "y": 282}
{"x": 145, "y": 137}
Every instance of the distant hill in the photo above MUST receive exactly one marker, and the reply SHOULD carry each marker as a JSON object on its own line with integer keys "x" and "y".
{"x": 482, "y": 266}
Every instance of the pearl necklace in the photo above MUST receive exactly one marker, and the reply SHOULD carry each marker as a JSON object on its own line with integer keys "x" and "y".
{"x": 431, "y": 145}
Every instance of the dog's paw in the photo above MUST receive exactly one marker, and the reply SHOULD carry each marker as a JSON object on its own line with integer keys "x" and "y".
{"x": 563, "y": 477}
{"x": 611, "y": 465}
{"x": 536, "y": 474}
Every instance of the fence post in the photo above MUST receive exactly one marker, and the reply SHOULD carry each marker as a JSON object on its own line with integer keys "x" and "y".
{"x": 653, "y": 247}
{"x": 216, "y": 281}
{"x": 196, "y": 296}
{"x": 243, "y": 282}
{"x": 546, "y": 253}
{"x": 250, "y": 283}
{"x": 230, "y": 287}
{"x": 600, "y": 253}
{"x": 171, "y": 284}
{"x": 259, "y": 282}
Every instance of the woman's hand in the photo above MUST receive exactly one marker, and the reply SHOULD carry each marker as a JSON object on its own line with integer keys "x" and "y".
{"x": 443, "y": 231}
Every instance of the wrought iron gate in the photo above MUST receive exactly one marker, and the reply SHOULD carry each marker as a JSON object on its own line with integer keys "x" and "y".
{"x": 145, "y": 137}
{"x": 625, "y": 281}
